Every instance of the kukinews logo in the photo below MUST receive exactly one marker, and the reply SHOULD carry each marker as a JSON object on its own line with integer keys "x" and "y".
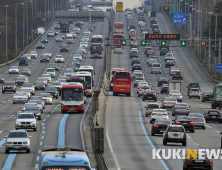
{"x": 167, "y": 154}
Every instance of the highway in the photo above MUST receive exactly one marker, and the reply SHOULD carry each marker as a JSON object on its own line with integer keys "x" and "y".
{"x": 55, "y": 129}
{"x": 129, "y": 140}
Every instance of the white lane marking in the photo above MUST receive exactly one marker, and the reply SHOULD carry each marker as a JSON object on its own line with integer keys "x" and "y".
{"x": 196, "y": 143}
{"x": 208, "y": 126}
{"x": 217, "y": 131}
{"x": 188, "y": 136}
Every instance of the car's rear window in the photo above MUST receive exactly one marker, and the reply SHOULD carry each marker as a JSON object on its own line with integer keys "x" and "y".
{"x": 156, "y": 65}
{"x": 153, "y": 106}
{"x": 175, "y": 129}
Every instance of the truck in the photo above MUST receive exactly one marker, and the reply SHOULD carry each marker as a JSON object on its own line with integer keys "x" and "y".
{"x": 153, "y": 14}
{"x": 217, "y": 96}
{"x": 174, "y": 85}
{"x": 147, "y": 6}
{"x": 192, "y": 85}
{"x": 41, "y": 31}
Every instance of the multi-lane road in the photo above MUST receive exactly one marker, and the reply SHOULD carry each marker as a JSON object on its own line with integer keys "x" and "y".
{"x": 55, "y": 128}
{"x": 129, "y": 142}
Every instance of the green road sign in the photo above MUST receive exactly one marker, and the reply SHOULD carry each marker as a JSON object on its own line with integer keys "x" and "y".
{"x": 163, "y": 43}
{"x": 183, "y": 43}
{"x": 143, "y": 42}
{"x": 211, "y": 53}
{"x": 173, "y": 8}
{"x": 124, "y": 42}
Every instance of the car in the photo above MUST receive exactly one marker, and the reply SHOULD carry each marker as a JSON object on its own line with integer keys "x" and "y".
{"x": 118, "y": 49}
{"x": 201, "y": 162}
{"x": 149, "y": 95}
{"x": 29, "y": 105}
{"x": 156, "y": 68}
{"x": 73, "y": 34}
{"x": 84, "y": 44}
{"x": 163, "y": 51}
{"x": 169, "y": 63}
{"x": 59, "y": 58}
{"x": 2, "y": 78}
{"x": 176, "y": 94}
{"x": 194, "y": 92}
{"x": 186, "y": 122}
{"x": 58, "y": 38}
{"x": 213, "y": 116}
{"x": 135, "y": 61}
{"x": 151, "y": 57}
{"x": 52, "y": 91}
{"x": 28, "y": 56}
{"x": 76, "y": 29}
{"x": 48, "y": 76}
{"x": 142, "y": 89}
{"x": 150, "y": 52}
{"x": 34, "y": 110}
{"x": 159, "y": 126}
{"x": 164, "y": 88}
{"x": 142, "y": 83}
{"x": 69, "y": 72}
{"x": 136, "y": 67}
{"x": 17, "y": 140}
{"x": 177, "y": 75}
{"x": 162, "y": 81}
{"x": 51, "y": 71}
{"x": 54, "y": 65}
{"x": 44, "y": 80}
{"x": 20, "y": 80}
{"x": 61, "y": 78}
{"x": 156, "y": 31}
{"x": 198, "y": 119}
{"x": 158, "y": 114}
{"x": 150, "y": 62}
{"x": 25, "y": 121}
{"x": 30, "y": 87}
{"x": 46, "y": 97}
{"x": 27, "y": 91}
{"x": 44, "y": 40}
{"x": 13, "y": 70}
{"x": 64, "y": 48}
{"x": 73, "y": 66}
{"x": 40, "y": 45}
{"x": 8, "y": 86}
{"x": 83, "y": 49}
{"x": 26, "y": 71}
{"x": 33, "y": 54}
{"x": 136, "y": 72}
{"x": 50, "y": 33}
{"x": 181, "y": 109}
{"x": 57, "y": 26}
{"x": 39, "y": 103}
{"x": 39, "y": 85}
{"x": 207, "y": 96}
{"x": 137, "y": 80}
{"x": 44, "y": 58}
{"x": 47, "y": 53}
{"x": 169, "y": 56}
{"x": 138, "y": 75}
{"x": 173, "y": 69}
{"x": 134, "y": 50}
{"x": 58, "y": 85}
{"x": 20, "y": 97}
{"x": 149, "y": 108}
{"x": 175, "y": 134}
{"x": 77, "y": 57}
{"x": 168, "y": 102}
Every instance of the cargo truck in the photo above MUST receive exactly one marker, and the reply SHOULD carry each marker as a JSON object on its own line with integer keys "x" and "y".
{"x": 217, "y": 96}
{"x": 192, "y": 85}
{"x": 173, "y": 85}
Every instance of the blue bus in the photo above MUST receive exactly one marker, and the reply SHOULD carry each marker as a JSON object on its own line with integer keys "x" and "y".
{"x": 65, "y": 159}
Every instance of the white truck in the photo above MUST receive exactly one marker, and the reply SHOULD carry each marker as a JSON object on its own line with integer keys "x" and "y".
{"x": 174, "y": 86}
{"x": 69, "y": 38}
{"x": 41, "y": 31}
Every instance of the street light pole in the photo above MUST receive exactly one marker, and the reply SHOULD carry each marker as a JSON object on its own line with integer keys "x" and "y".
{"x": 27, "y": 25}
{"x": 48, "y": 13}
{"x": 6, "y": 45}
{"x": 209, "y": 42}
{"x": 23, "y": 34}
{"x": 198, "y": 20}
{"x": 32, "y": 22}
{"x": 16, "y": 31}
{"x": 45, "y": 13}
{"x": 215, "y": 33}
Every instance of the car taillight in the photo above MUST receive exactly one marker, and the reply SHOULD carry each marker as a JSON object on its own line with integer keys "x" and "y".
{"x": 165, "y": 102}
{"x": 209, "y": 160}
{"x": 135, "y": 81}
{"x": 155, "y": 126}
{"x": 170, "y": 94}
{"x": 188, "y": 108}
{"x": 151, "y": 68}
{"x": 165, "y": 114}
{"x": 184, "y": 135}
{"x": 174, "y": 103}
{"x": 189, "y": 160}
{"x": 198, "y": 91}
{"x": 154, "y": 94}
{"x": 166, "y": 134}
{"x": 174, "y": 73}
{"x": 160, "y": 68}
{"x": 143, "y": 80}
{"x": 180, "y": 73}
{"x": 139, "y": 61}
{"x": 146, "y": 108}
{"x": 145, "y": 94}
{"x": 203, "y": 120}
{"x": 178, "y": 122}
{"x": 110, "y": 82}
{"x": 175, "y": 108}
{"x": 191, "y": 123}
{"x": 190, "y": 91}
{"x": 153, "y": 113}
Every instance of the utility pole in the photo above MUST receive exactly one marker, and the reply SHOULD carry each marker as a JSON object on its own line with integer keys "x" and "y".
{"x": 23, "y": 25}
{"x": 6, "y": 36}
{"x": 32, "y": 21}
{"x": 27, "y": 25}
{"x": 198, "y": 18}
{"x": 219, "y": 52}
{"x": 45, "y": 13}
{"x": 48, "y": 13}
{"x": 16, "y": 31}
{"x": 209, "y": 43}
{"x": 190, "y": 25}
{"x": 215, "y": 33}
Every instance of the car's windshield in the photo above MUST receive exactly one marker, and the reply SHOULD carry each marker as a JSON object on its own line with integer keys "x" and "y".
{"x": 31, "y": 109}
{"x": 55, "y": 83}
{"x": 17, "y": 135}
{"x": 170, "y": 99}
{"x": 175, "y": 129}
{"x": 50, "y": 70}
{"x": 27, "y": 85}
{"x": 50, "y": 89}
{"x": 166, "y": 122}
{"x": 19, "y": 94}
{"x": 25, "y": 116}
{"x": 75, "y": 94}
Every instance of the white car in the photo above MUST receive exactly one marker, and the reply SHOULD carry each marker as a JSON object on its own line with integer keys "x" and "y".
{"x": 134, "y": 49}
{"x": 46, "y": 97}
{"x": 139, "y": 23}
{"x": 59, "y": 58}
{"x": 27, "y": 91}
{"x": 77, "y": 57}
{"x": 118, "y": 49}
{"x": 13, "y": 69}
{"x": 30, "y": 87}
{"x": 20, "y": 97}
{"x": 141, "y": 89}
{"x": 158, "y": 114}
{"x": 28, "y": 56}
{"x": 84, "y": 44}
{"x": 73, "y": 34}
{"x": 33, "y": 54}
{"x": 136, "y": 71}
{"x": 169, "y": 56}
{"x": 47, "y": 53}
{"x": 50, "y": 33}
{"x": 83, "y": 49}
{"x": 69, "y": 72}
{"x": 25, "y": 121}
{"x": 59, "y": 38}
{"x": 176, "y": 94}
{"x": 48, "y": 76}
{"x": 43, "y": 79}
{"x": 77, "y": 30}
{"x": 142, "y": 84}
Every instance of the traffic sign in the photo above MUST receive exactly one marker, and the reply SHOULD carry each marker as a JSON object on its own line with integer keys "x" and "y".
{"x": 190, "y": 39}
{"x": 163, "y": 43}
{"x": 211, "y": 53}
{"x": 203, "y": 43}
{"x": 124, "y": 42}
{"x": 166, "y": 4}
{"x": 197, "y": 39}
{"x": 179, "y": 18}
{"x": 218, "y": 68}
{"x": 183, "y": 43}
{"x": 162, "y": 36}
{"x": 143, "y": 42}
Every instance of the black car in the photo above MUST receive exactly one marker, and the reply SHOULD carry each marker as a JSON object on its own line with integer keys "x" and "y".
{"x": 163, "y": 51}
{"x": 162, "y": 81}
{"x": 186, "y": 121}
{"x": 44, "y": 40}
{"x": 213, "y": 116}
{"x": 8, "y": 86}
{"x": 156, "y": 31}
{"x": 149, "y": 52}
{"x": 149, "y": 95}
{"x": 40, "y": 45}
{"x": 2, "y": 78}
{"x": 134, "y": 55}
{"x": 35, "y": 110}
{"x": 39, "y": 85}
{"x": 159, "y": 126}
{"x": 53, "y": 91}
{"x": 54, "y": 65}
{"x": 202, "y": 162}
{"x": 64, "y": 47}
{"x": 207, "y": 96}
{"x": 169, "y": 63}
{"x": 164, "y": 88}
{"x": 78, "y": 24}
{"x": 177, "y": 75}
{"x": 44, "y": 58}
{"x": 26, "y": 71}
{"x": 135, "y": 61}
{"x": 136, "y": 67}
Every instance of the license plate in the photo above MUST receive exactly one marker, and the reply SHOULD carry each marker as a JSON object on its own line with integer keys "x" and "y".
{"x": 17, "y": 147}
{"x": 198, "y": 161}
{"x": 159, "y": 115}
{"x": 175, "y": 135}
{"x": 184, "y": 123}
{"x": 149, "y": 97}
{"x": 121, "y": 89}
{"x": 72, "y": 108}
{"x": 213, "y": 116}
{"x": 162, "y": 131}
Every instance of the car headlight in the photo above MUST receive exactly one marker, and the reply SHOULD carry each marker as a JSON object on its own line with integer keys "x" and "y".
{"x": 81, "y": 105}
{"x": 33, "y": 122}
{"x": 9, "y": 142}
{"x": 25, "y": 142}
{"x": 17, "y": 122}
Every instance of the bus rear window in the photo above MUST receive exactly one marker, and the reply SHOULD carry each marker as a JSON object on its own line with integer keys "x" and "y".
{"x": 118, "y": 36}
{"x": 122, "y": 76}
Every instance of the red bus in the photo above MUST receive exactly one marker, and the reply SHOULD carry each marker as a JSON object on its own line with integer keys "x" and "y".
{"x": 119, "y": 27}
{"x": 122, "y": 83}
{"x": 117, "y": 39}
{"x": 72, "y": 97}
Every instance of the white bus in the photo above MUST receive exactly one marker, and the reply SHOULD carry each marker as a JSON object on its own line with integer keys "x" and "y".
{"x": 97, "y": 39}
{"x": 88, "y": 69}
{"x": 88, "y": 79}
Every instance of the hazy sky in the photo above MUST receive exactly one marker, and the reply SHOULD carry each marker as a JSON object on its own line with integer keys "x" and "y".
{"x": 129, "y": 3}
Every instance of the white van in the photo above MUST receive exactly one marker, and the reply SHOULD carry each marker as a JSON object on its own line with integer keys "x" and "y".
{"x": 69, "y": 38}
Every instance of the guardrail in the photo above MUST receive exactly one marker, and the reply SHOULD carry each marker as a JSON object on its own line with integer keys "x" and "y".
{"x": 27, "y": 48}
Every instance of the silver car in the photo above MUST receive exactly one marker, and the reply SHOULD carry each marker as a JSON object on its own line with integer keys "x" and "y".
{"x": 33, "y": 103}
{"x": 69, "y": 72}
{"x": 47, "y": 53}
{"x": 25, "y": 121}
{"x": 27, "y": 91}
{"x": 181, "y": 109}
{"x": 59, "y": 38}
{"x": 30, "y": 87}
{"x": 48, "y": 76}
{"x": 194, "y": 92}
{"x": 137, "y": 80}
{"x": 26, "y": 71}
{"x": 13, "y": 69}
{"x": 198, "y": 119}
{"x": 17, "y": 140}
{"x": 168, "y": 102}
{"x": 20, "y": 97}
{"x": 46, "y": 97}
{"x": 59, "y": 58}
{"x": 33, "y": 54}
{"x": 118, "y": 49}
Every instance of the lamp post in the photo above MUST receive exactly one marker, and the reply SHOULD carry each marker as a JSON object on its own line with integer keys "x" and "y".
{"x": 209, "y": 42}
{"x": 6, "y": 36}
